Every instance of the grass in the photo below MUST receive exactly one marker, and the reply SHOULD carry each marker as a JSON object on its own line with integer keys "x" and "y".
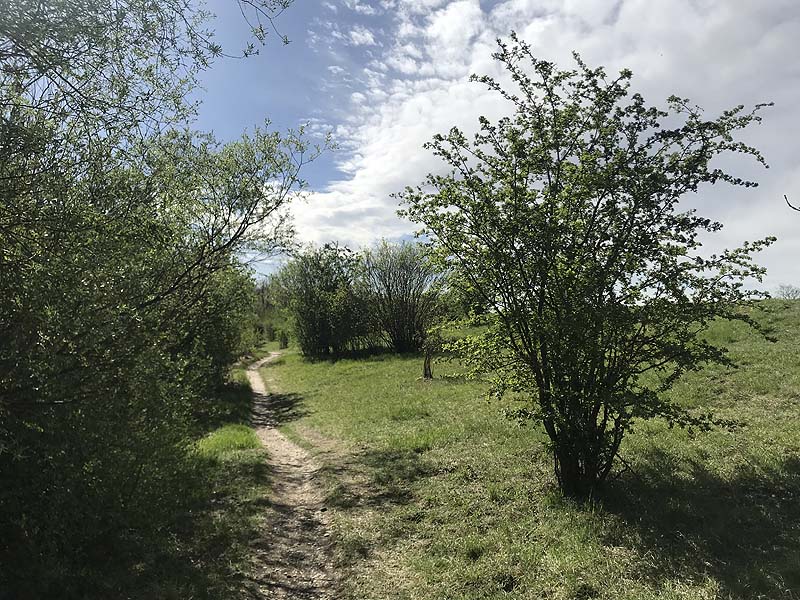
{"x": 228, "y": 439}
{"x": 435, "y": 495}
{"x": 214, "y": 556}
{"x": 230, "y": 525}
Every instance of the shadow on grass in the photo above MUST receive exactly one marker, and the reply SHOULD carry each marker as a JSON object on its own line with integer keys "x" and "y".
{"x": 229, "y": 404}
{"x": 214, "y": 539}
{"x": 373, "y": 480}
{"x": 210, "y": 550}
{"x": 386, "y": 477}
{"x": 744, "y": 532}
{"x": 372, "y": 353}
{"x": 191, "y": 541}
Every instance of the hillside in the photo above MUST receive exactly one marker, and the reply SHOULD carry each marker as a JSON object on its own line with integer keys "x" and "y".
{"x": 435, "y": 494}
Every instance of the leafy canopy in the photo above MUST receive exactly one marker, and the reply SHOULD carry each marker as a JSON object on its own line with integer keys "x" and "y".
{"x": 123, "y": 299}
{"x": 565, "y": 219}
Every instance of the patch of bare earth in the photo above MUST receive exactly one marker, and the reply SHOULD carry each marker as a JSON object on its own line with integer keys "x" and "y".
{"x": 294, "y": 557}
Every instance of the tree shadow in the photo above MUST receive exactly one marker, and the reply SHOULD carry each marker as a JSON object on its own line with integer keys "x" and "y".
{"x": 230, "y": 403}
{"x": 216, "y": 536}
{"x": 273, "y": 409}
{"x": 743, "y": 530}
{"x": 384, "y": 478}
{"x": 295, "y": 543}
{"x": 375, "y": 352}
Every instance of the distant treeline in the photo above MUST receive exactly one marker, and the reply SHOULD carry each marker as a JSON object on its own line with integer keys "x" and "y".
{"x": 336, "y": 301}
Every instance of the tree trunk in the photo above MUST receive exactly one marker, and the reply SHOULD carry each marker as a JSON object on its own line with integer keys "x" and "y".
{"x": 579, "y": 475}
{"x": 427, "y": 369}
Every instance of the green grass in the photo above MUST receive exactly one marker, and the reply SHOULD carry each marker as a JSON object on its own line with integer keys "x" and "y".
{"x": 238, "y": 486}
{"x": 227, "y": 439}
{"x": 209, "y": 551}
{"x": 436, "y": 495}
{"x": 235, "y": 514}
{"x": 214, "y": 556}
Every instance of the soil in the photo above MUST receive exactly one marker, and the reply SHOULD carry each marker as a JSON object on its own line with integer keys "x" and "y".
{"x": 294, "y": 557}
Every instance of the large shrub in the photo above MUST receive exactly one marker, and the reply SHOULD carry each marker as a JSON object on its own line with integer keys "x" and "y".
{"x": 401, "y": 286}
{"x": 318, "y": 288}
{"x": 121, "y": 297}
{"x": 565, "y": 217}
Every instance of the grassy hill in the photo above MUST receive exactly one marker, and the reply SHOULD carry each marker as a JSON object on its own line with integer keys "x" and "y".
{"x": 435, "y": 494}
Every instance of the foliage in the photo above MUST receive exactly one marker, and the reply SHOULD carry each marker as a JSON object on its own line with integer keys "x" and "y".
{"x": 283, "y": 340}
{"x": 122, "y": 298}
{"x": 339, "y": 301}
{"x": 401, "y": 289}
{"x": 319, "y": 292}
{"x": 788, "y": 292}
{"x": 110, "y": 70}
{"x": 565, "y": 218}
{"x": 271, "y": 316}
{"x": 459, "y": 301}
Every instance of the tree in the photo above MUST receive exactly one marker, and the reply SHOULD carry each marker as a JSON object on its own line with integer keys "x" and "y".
{"x": 272, "y": 316}
{"x": 565, "y": 218}
{"x": 121, "y": 289}
{"x": 115, "y": 69}
{"x": 788, "y": 292}
{"x": 401, "y": 283}
{"x": 318, "y": 290}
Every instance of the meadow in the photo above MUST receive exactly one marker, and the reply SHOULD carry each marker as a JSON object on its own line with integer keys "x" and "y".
{"x": 436, "y": 494}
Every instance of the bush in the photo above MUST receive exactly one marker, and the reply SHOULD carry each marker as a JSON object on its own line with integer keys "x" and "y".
{"x": 565, "y": 217}
{"x": 788, "y": 292}
{"x": 318, "y": 289}
{"x": 402, "y": 294}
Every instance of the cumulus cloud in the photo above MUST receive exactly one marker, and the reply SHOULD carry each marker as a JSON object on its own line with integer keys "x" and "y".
{"x": 716, "y": 52}
{"x": 362, "y": 8}
{"x": 361, "y": 36}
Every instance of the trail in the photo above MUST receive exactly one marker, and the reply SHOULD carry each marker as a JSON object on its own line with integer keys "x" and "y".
{"x": 294, "y": 556}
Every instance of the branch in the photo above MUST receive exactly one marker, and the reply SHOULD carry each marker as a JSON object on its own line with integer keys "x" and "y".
{"x": 790, "y": 204}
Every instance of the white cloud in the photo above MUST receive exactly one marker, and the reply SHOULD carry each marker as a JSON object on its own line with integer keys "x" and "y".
{"x": 362, "y": 8}
{"x": 404, "y": 64}
{"x": 449, "y": 36}
{"x": 716, "y": 52}
{"x": 361, "y": 36}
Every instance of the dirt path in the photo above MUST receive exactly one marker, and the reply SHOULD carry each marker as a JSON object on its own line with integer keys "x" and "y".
{"x": 295, "y": 553}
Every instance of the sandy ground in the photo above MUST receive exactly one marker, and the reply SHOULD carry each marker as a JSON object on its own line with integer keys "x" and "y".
{"x": 295, "y": 554}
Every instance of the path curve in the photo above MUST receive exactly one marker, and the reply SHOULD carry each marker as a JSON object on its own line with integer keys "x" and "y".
{"x": 295, "y": 555}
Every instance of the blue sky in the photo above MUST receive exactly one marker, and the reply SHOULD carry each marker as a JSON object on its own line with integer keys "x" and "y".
{"x": 385, "y": 75}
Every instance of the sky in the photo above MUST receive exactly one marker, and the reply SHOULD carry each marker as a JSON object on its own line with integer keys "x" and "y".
{"x": 383, "y": 76}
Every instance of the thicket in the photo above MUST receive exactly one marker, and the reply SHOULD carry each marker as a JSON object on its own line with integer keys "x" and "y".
{"x": 318, "y": 290}
{"x": 122, "y": 299}
{"x": 339, "y": 301}
{"x": 400, "y": 289}
{"x": 270, "y": 319}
